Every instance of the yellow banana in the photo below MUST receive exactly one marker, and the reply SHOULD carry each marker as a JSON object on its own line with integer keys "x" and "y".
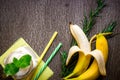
{"x": 84, "y": 46}
{"x": 94, "y": 71}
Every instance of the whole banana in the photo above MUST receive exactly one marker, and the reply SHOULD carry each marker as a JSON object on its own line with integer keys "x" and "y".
{"x": 93, "y": 71}
{"x": 84, "y": 45}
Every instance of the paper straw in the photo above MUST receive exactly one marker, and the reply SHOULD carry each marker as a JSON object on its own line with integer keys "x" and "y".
{"x": 45, "y": 50}
{"x": 48, "y": 46}
{"x": 48, "y": 61}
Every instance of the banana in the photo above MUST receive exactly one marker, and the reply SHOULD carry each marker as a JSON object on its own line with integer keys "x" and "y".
{"x": 97, "y": 67}
{"x": 84, "y": 46}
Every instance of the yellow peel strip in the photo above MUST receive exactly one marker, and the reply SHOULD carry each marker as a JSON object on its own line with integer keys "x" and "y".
{"x": 94, "y": 37}
{"x": 97, "y": 54}
{"x": 72, "y": 51}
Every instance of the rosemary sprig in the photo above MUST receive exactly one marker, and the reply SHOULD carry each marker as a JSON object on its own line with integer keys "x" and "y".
{"x": 89, "y": 21}
{"x": 67, "y": 69}
{"x": 110, "y": 27}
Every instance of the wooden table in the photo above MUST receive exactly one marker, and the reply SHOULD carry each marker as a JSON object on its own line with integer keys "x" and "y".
{"x": 36, "y": 21}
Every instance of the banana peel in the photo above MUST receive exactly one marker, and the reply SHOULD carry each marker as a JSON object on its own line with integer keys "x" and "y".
{"x": 100, "y": 55}
{"x": 47, "y": 73}
{"x": 84, "y": 46}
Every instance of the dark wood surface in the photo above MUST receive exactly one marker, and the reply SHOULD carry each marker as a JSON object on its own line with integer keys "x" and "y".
{"x": 36, "y": 21}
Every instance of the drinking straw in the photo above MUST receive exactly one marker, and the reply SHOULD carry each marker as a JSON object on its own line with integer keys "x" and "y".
{"x": 48, "y": 46}
{"x": 48, "y": 61}
{"x": 45, "y": 50}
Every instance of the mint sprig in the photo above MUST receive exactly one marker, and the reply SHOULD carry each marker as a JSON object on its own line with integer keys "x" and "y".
{"x": 24, "y": 61}
{"x": 12, "y": 68}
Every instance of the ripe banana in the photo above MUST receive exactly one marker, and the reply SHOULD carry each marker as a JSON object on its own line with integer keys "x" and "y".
{"x": 84, "y": 46}
{"x": 94, "y": 70}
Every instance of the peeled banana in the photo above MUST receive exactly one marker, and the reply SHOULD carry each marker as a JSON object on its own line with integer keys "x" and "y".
{"x": 98, "y": 65}
{"x": 84, "y": 46}
{"x": 93, "y": 71}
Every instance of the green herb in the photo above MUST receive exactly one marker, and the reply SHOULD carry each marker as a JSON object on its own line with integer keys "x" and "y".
{"x": 73, "y": 42}
{"x": 67, "y": 69}
{"x": 63, "y": 60}
{"x": 110, "y": 27}
{"x": 16, "y": 61}
{"x": 24, "y": 61}
{"x": 13, "y": 68}
{"x": 88, "y": 23}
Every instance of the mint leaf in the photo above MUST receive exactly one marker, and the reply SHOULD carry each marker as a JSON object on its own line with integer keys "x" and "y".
{"x": 11, "y": 69}
{"x": 24, "y": 61}
{"x": 16, "y": 62}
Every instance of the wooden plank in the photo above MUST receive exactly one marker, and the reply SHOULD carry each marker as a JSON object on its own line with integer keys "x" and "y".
{"x": 36, "y": 20}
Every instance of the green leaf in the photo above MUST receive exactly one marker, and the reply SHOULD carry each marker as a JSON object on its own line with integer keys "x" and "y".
{"x": 90, "y": 21}
{"x": 13, "y": 68}
{"x": 10, "y": 69}
{"x": 16, "y": 62}
{"x": 110, "y": 27}
{"x": 24, "y": 61}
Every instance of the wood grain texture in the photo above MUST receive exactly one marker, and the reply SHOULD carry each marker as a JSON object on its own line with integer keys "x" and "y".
{"x": 36, "y": 21}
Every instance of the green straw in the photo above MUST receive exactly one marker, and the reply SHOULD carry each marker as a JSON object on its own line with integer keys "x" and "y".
{"x": 48, "y": 61}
